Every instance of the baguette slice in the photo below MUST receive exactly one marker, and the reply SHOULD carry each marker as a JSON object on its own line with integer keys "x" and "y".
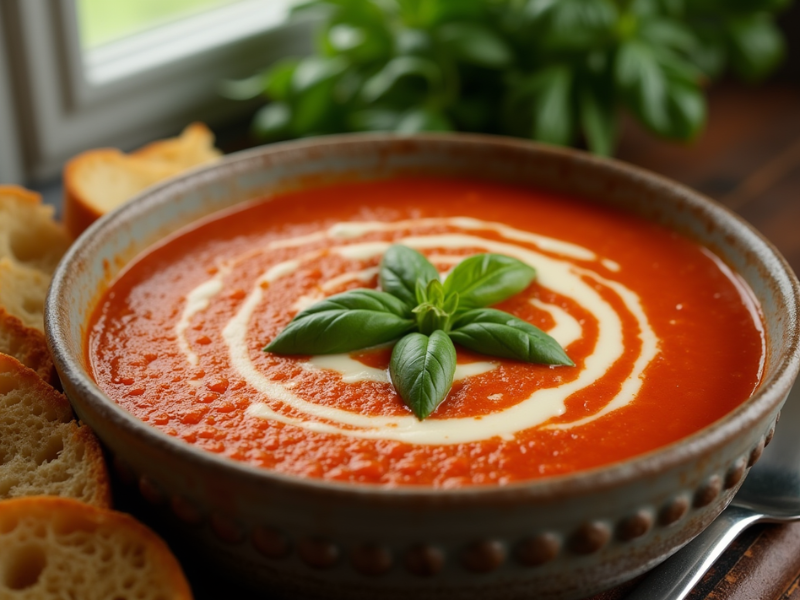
{"x": 58, "y": 548}
{"x": 194, "y": 146}
{"x": 98, "y": 181}
{"x": 42, "y": 450}
{"x": 22, "y": 293}
{"x": 27, "y": 345}
{"x": 28, "y": 235}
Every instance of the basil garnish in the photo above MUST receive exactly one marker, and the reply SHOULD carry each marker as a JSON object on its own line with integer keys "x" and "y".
{"x": 402, "y": 268}
{"x": 486, "y": 279}
{"x": 498, "y": 333}
{"x": 345, "y": 322}
{"x": 422, "y": 369}
{"x": 426, "y": 317}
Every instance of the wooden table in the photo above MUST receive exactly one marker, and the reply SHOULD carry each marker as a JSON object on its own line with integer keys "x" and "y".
{"x": 748, "y": 159}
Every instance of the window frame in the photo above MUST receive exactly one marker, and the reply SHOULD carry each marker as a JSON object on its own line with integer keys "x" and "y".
{"x": 60, "y": 111}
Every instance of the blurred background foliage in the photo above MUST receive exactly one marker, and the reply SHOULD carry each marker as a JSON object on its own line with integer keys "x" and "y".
{"x": 557, "y": 71}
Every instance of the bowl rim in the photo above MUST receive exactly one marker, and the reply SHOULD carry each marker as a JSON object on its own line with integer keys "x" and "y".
{"x": 772, "y": 390}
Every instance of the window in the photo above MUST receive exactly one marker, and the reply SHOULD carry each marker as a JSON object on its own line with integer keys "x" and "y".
{"x": 101, "y": 22}
{"x": 84, "y": 77}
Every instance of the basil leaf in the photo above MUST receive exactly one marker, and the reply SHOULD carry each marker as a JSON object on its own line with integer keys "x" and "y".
{"x": 423, "y": 119}
{"x": 475, "y": 44}
{"x": 486, "y": 279}
{"x": 243, "y": 89}
{"x": 666, "y": 32}
{"x": 400, "y": 270}
{"x": 599, "y": 120}
{"x": 711, "y": 54}
{"x": 497, "y": 333}
{"x": 343, "y": 37}
{"x": 313, "y": 71}
{"x": 756, "y": 46}
{"x": 422, "y": 370}
{"x": 643, "y": 84}
{"x": 311, "y": 110}
{"x": 343, "y": 323}
{"x": 375, "y": 119}
{"x": 573, "y": 25}
{"x": 552, "y": 110}
{"x": 272, "y": 121}
{"x": 399, "y": 68}
{"x": 687, "y": 107}
{"x": 279, "y": 79}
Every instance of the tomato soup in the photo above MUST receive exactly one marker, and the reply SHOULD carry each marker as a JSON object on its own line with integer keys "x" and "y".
{"x": 666, "y": 339}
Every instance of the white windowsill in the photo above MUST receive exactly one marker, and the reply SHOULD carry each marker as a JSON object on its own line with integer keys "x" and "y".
{"x": 186, "y": 37}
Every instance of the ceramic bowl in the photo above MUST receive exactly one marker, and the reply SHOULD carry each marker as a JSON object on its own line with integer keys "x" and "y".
{"x": 561, "y": 537}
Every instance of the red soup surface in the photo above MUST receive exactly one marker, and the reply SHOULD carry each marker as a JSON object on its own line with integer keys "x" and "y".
{"x": 665, "y": 338}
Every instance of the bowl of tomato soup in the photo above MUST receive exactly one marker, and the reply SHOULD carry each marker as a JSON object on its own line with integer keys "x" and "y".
{"x": 308, "y": 474}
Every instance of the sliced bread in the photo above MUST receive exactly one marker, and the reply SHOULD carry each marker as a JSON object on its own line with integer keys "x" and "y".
{"x": 57, "y": 548}
{"x": 193, "y": 147}
{"x": 22, "y": 292}
{"x": 27, "y": 345}
{"x": 42, "y": 450}
{"x": 29, "y": 236}
{"x": 98, "y": 181}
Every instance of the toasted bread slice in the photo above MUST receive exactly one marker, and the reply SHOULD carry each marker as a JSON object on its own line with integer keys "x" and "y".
{"x": 22, "y": 293}
{"x": 194, "y": 146}
{"x": 42, "y": 450}
{"x": 55, "y": 548}
{"x": 28, "y": 235}
{"x": 98, "y": 181}
{"x": 27, "y": 345}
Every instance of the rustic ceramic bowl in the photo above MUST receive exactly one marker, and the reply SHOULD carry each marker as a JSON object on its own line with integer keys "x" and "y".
{"x": 561, "y": 537}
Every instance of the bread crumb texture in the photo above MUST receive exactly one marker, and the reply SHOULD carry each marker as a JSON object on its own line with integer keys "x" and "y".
{"x": 27, "y": 345}
{"x": 42, "y": 450}
{"x": 29, "y": 237}
{"x": 31, "y": 244}
{"x": 22, "y": 293}
{"x": 58, "y": 548}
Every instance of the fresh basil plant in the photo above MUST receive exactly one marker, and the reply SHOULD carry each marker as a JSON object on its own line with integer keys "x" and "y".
{"x": 557, "y": 71}
{"x": 424, "y": 317}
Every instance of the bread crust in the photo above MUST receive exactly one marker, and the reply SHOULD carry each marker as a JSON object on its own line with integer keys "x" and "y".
{"x": 62, "y": 537}
{"x": 44, "y": 451}
{"x": 27, "y": 345}
{"x": 99, "y": 180}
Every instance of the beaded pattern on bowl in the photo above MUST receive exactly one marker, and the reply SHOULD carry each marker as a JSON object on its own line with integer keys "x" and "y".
{"x": 271, "y": 542}
{"x": 482, "y": 556}
{"x": 371, "y": 559}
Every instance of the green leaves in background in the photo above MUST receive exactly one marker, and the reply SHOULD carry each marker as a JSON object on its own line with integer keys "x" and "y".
{"x": 756, "y": 45}
{"x": 558, "y": 71}
{"x": 414, "y": 300}
{"x": 475, "y": 44}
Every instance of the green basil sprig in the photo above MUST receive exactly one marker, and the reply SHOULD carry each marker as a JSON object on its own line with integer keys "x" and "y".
{"x": 426, "y": 317}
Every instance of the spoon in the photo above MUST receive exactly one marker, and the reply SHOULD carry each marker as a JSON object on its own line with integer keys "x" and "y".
{"x": 769, "y": 494}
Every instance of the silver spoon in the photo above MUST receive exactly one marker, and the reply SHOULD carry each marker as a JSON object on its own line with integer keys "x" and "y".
{"x": 770, "y": 494}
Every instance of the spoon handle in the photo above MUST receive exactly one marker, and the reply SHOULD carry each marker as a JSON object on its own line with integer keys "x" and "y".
{"x": 675, "y": 577}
